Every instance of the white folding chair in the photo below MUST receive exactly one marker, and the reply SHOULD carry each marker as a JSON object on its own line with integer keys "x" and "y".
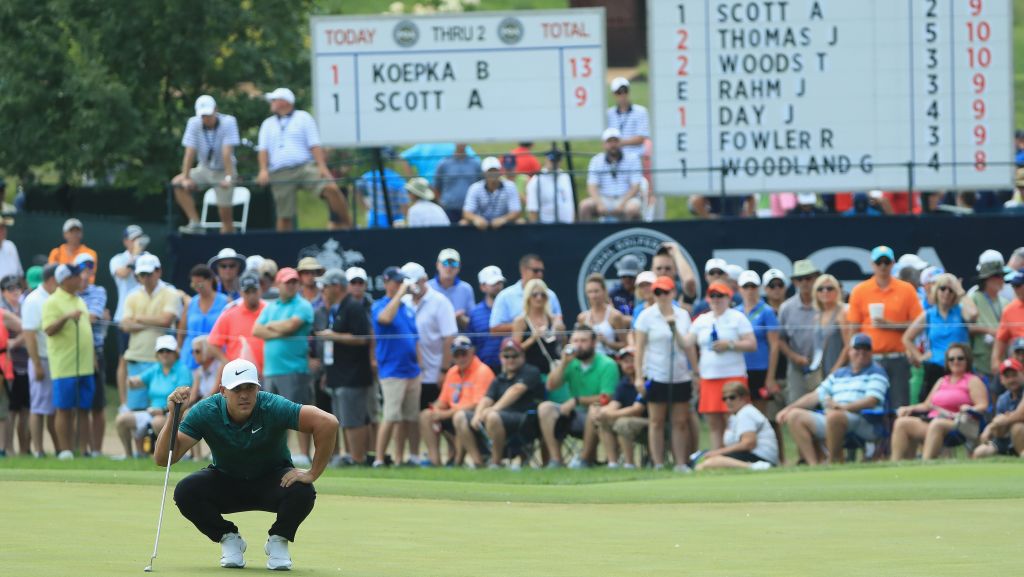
{"x": 240, "y": 196}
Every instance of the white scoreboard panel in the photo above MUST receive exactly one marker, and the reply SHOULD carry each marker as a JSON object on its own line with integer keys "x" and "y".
{"x": 831, "y": 95}
{"x": 477, "y": 76}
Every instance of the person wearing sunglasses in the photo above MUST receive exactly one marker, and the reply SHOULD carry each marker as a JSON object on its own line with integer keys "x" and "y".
{"x": 954, "y": 404}
{"x": 828, "y": 330}
{"x": 509, "y": 302}
{"x": 883, "y": 307}
{"x": 610, "y": 325}
{"x": 448, "y": 283}
{"x": 18, "y": 397}
{"x": 1011, "y": 324}
{"x": 715, "y": 270}
{"x": 1004, "y": 435}
{"x": 158, "y": 381}
{"x": 202, "y": 311}
{"x": 538, "y": 330}
{"x": 750, "y": 441}
{"x": 228, "y": 267}
{"x": 944, "y": 323}
{"x": 796, "y": 337}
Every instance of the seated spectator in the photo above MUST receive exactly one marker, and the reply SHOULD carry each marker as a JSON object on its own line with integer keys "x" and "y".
{"x": 73, "y": 245}
{"x": 843, "y": 394}
{"x": 750, "y": 441}
{"x": 945, "y": 323}
{"x": 422, "y": 209}
{"x": 492, "y": 282}
{"x": 806, "y": 206}
{"x": 587, "y": 376}
{"x": 155, "y": 384}
{"x": 610, "y": 326}
{"x": 862, "y": 206}
{"x": 706, "y": 207}
{"x": 623, "y": 293}
{"x": 505, "y": 410}
{"x": 623, "y": 420}
{"x": 493, "y": 202}
{"x": 422, "y": 159}
{"x": 1004, "y": 435}
{"x": 464, "y": 385}
{"x": 206, "y": 375}
{"x": 227, "y": 266}
{"x": 955, "y": 404}
{"x": 1011, "y": 324}
{"x": 537, "y": 329}
{"x": 549, "y": 194}
{"x": 613, "y": 183}
{"x": 452, "y": 179}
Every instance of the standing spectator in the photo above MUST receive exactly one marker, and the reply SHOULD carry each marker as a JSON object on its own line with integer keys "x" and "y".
{"x": 798, "y": 318}
{"x": 750, "y": 442}
{"x": 357, "y": 279}
{"x": 452, "y": 180}
{"x": 10, "y": 261}
{"x": 122, "y": 269}
{"x": 210, "y": 137}
{"x": 148, "y": 313}
{"x": 448, "y": 283}
{"x": 309, "y": 270}
{"x": 526, "y": 163}
{"x": 423, "y": 159}
{"x": 1011, "y": 324}
{"x": 95, "y": 298}
{"x": 1004, "y": 435}
{"x": 398, "y": 364}
{"x": 609, "y": 325}
{"x": 493, "y": 202}
{"x": 537, "y": 330}
{"x": 69, "y": 343}
{"x": 890, "y": 305}
{"x": 509, "y": 302}
{"x": 623, "y": 293}
{"x": 10, "y": 303}
{"x": 206, "y": 376}
{"x": 644, "y": 293}
{"x": 631, "y": 120}
{"x": 267, "y": 273}
{"x": 944, "y": 323}
{"x": 202, "y": 312}
{"x": 422, "y": 209}
{"x": 348, "y": 369}
{"x": 624, "y": 418}
{"x": 990, "y": 304}
{"x": 73, "y": 245}
{"x": 774, "y": 288}
{"x": 664, "y": 375}
{"x": 613, "y": 182}
{"x": 715, "y": 270}
{"x": 549, "y": 194}
{"x": 228, "y": 266}
{"x": 291, "y": 157}
{"x": 231, "y": 336}
{"x": 284, "y": 326}
{"x": 40, "y": 385}
{"x": 722, "y": 334}
{"x": 806, "y": 206}
{"x": 491, "y": 283}
{"x": 331, "y": 287}
{"x": 828, "y": 332}
{"x": 6, "y": 380}
{"x": 436, "y": 327}
{"x": 761, "y": 362}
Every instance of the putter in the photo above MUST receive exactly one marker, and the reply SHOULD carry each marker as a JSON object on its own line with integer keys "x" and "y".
{"x": 167, "y": 476}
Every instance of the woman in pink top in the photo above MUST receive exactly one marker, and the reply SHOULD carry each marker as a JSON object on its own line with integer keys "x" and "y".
{"x": 930, "y": 421}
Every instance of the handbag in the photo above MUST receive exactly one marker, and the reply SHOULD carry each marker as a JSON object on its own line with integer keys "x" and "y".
{"x": 967, "y": 424}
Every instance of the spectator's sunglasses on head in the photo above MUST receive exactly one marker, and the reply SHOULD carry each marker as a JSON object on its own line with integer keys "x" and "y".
{"x": 716, "y": 295}
{"x": 884, "y": 261}
{"x": 540, "y": 294}
{"x": 452, "y": 263}
{"x": 88, "y": 264}
{"x": 660, "y": 292}
{"x": 826, "y": 288}
{"x": 776, "y": 284}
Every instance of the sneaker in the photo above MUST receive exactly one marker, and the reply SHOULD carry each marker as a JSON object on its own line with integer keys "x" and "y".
{"x": 3, "y": 453}
{"x": 278, "y": 558}
{"x": 470, "y": 465}
{"x": 231, "y": 548}
{"x": 191, "y": 228}
{"x": 96, "y": 454}
{"x": 378, "y": 464}
{"x": 760, "y": 466}
{"x": 494, "y": 466}
{"x": 629, "y": 467}
{"x": 119, "y": 457}
{"x": 38, "y": 455}
{"x": 515, "y": 466}
{"x": 659, "y": 467}
{"x": 553, "y": 464}
{"x": 65, "y": 455}
{"x": 578, "y": 463}
{"x": 301, "y": 461}
{"x": 613, "y": 465}
{"x": 684, "y": 469}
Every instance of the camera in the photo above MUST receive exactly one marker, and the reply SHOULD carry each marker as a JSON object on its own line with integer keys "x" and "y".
{"x": 570, "y": 350}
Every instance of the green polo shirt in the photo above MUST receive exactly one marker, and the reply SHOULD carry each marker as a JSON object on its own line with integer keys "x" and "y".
{"x": 254, "y": 448}
{"x": 602, "y": 376}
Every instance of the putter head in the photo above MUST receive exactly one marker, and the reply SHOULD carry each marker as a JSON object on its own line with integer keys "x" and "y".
{"x": 148, "y": 569}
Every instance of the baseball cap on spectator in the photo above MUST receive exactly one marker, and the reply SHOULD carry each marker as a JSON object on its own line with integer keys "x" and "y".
{"x": 49, "y": 271}
{"x": 287, "y": 274}
{"x": 356, "y": 273}
{"x": 166, "y": 343}
{"x": 146, "y": 264}
{"x": 249, "y": 281}
{"x": 511, "y": 343}
{"x": 610, "y": 133}
{"x": 715, "y": 263}
{"x": 333, "y": 277}
{"x": 646, "y": 277}
{"x": 420, "y": 188}
{"x": 282, "y": 93}
{"x": 393, "y": 273}
{"x": 929, "y": 274}
{"x": 913, "y": 261}
{"x": 239, "y": 372}
{"x": 876, "y": 194}
{"x": 133, "y": 231}
{"x": 1011, "y": 365}
{"x": 461, "y": 343}
{"x": 749, "y": 277}
{"x": 804, "y": 268}
{"x": 205, "y": 105}
{"x": 734, "y": 271}
{"x": 628, "y": 265}
{"x": 309, "y": 264}
{"x": 10, "y": 281}
{"x": 6, "y": 221}
{"x": 268, "y": 268}
{"x": 226, "y": 254}
{"x": 663, "y": 283}
{"x": 449, "y": 254}
{"x": 624, "y": 351}
{"x": 64, "y": 272}
{"x": 490, "y": 275}
{"x": 72, "y": 223}
{"x": 253, "y": 263}
{"x": 618, "y": 83}
{"x": 860, "y": 341}
{"x": 490, "y": 163}
{"x": 882, "y": 251}
{"x": 1018, "y": 344}
{"x": 84, "y": 260}
{"x": 414, "y": 271}
{"x": 807, "y": 198}
{"x": 774, "y": 274}
{"x": 1015, "y": 279}
{"x": 720, "y": 288}
{"x": 34, "y": 277}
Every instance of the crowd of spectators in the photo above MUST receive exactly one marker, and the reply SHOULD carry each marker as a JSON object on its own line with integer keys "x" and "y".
{"x": 438, "y": 371}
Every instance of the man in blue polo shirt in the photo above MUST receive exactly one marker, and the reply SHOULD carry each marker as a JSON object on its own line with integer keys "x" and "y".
{"x": 448, "y": 283}
{"x": 247, "y": 432}
{"x": 492, "y": 282}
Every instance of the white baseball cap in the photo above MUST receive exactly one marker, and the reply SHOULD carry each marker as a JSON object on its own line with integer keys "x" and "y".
{"x": 913, "y": 261}
{"x": 64, "y": 272}
{"x": 449, "y": 254}
{"x": 714, "y": 263}
{"x": 807, "y": 198}
{"x": 490, "y": 163}
{"x": 618, "y": 83}
{"x": 490, "y": 275}
{"x": 773, "y": 274}
{"x": 749, "y": 277}
{"x": 610, "y": 133}
{"x": 166, "y": 343}
{"x": 239, "y": 372}
{"x": 356, "y": 272}
{"x": 205, "y": 105}
{"x": 734, "y": 271}
{"x": 282, "y": 93}
{"x": 414, "y": 271}
{"x": 146, "y": 263}
{"x": 72, "y": 223}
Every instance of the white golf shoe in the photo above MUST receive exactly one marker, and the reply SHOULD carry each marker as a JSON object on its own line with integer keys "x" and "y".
{"x": 278, "y": 558}
{"x": 231, "y": 548}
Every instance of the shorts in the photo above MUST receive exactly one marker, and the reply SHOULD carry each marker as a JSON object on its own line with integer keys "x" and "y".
{"x": 40, "y": 390}
{"x": 613, "y": 201}
{"x": 745, "y": 456}
{"x": 799, "y": 383}
{"x": 1004, "y": 446}
{"x": 74, "y": 392}
{"x": 659, "y": 392}
{"x": 755, "y": 382}
{"x": 711, "y": 394}
{"x": 634, "y": 428}
{"x": 373, "y": 402}
{"x": 514, "y": 423}
{"x": 5, "y": 403}
{"x": 99, "y": 397}
{"x": 350, "y": 406}
{"x": 137, "y": 398}
{"x": 572, "y": 424}
{"x": 18, "y": 395}
{"x": 123, "y": 338}
{"x": 401, "y": 399}
{"x": 142, "y": 422}
{"x": 855, "y": 423}
{"x": 286, "y": 182}
{"x": 206, "y": 177}
{"x": 429, "y": 392}
{"x": 296, "y": 387}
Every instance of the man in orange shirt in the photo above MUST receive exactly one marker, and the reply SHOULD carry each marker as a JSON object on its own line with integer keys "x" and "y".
{"x": 233, "y": 329}
{"x": 73, "y": 246}
{"x": 1011, "y": 324}
{"x": 464, "y": 385}
{"x": 886, "y": 306}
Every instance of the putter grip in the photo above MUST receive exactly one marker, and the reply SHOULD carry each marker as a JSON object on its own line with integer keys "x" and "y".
{"x": 175, "y": 420}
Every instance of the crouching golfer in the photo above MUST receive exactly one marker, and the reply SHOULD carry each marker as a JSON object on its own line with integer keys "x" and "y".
{"x": 246, "y": 430}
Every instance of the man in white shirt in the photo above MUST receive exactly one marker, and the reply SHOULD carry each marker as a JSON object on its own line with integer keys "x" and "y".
{"x": 122, "y": 269}
{"x": 10, "y": 261}
{"x": 40, "y": 385}
{"x": 613, "y": 182}
{"x": 291, "y": 158}
{"x": 549, "y": 195}
{"x": 630, "y": 119}
{"x": 423, "y": 211}
{"x": 210, "y": 137}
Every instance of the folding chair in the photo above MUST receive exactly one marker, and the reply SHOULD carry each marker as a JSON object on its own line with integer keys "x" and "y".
{"x": 239, "y": 197}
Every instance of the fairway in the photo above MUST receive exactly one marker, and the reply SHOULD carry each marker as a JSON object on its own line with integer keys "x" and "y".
{"x": 949, "y": 519}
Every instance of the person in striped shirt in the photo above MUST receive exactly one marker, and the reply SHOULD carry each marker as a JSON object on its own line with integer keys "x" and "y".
{"x": 630, "y": 119}
{"x": 861, "y": 385}
{"x": 613, "y": 182}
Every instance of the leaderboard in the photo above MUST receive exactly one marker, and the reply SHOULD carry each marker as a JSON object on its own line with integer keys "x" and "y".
{"x": 831, "y": 95}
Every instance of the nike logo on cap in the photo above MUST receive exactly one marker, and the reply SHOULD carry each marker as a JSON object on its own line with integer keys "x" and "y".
{"x": 240, "y": 372}
{"x": 254, "y": 431}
